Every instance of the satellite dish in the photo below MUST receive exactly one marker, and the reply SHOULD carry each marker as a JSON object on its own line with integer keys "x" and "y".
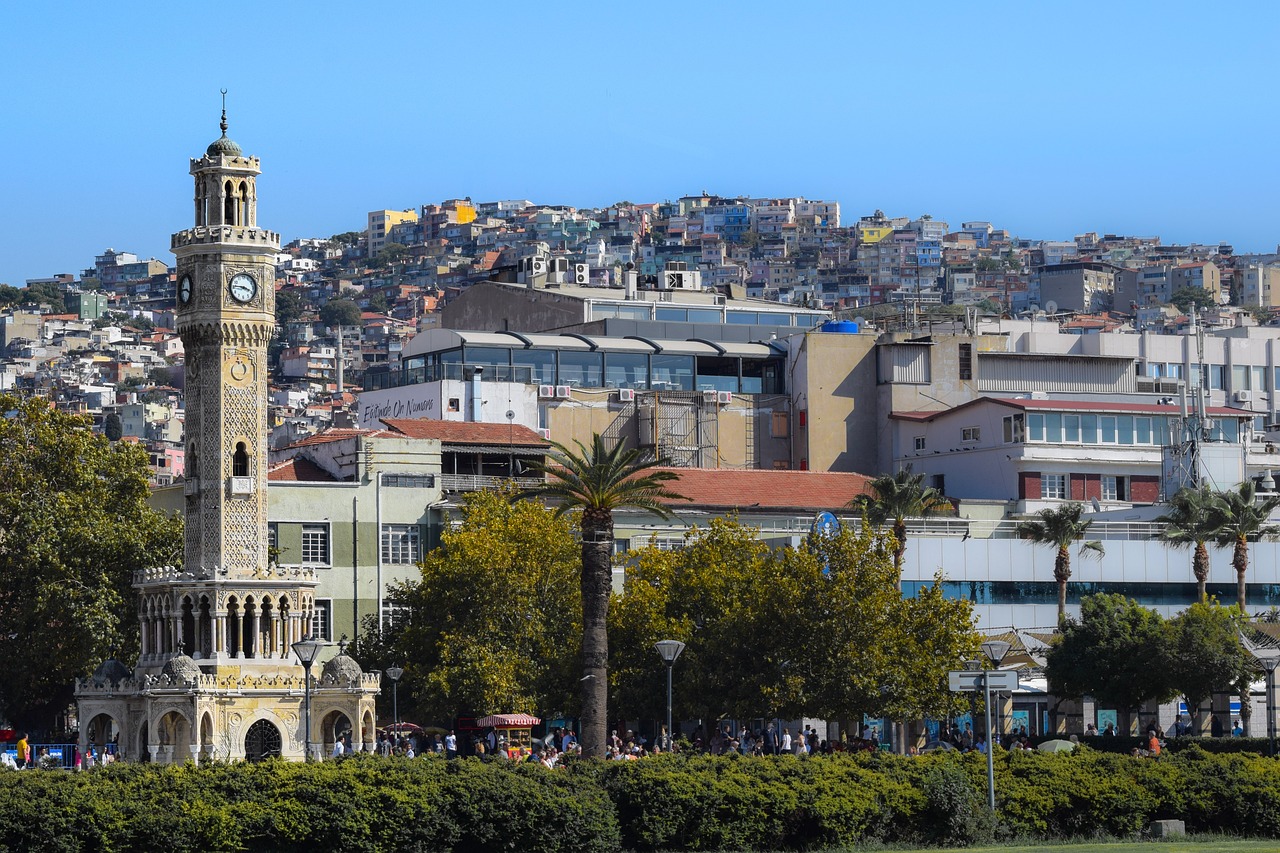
{"x": 1051, "y": 307}
{"x": 861, "y": 321}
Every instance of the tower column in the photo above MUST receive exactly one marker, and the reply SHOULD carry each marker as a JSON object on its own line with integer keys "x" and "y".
{"x": 255, "y": 638}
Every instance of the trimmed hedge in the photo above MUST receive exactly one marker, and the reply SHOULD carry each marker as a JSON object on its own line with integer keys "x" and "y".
{"x": 663, "y": 803}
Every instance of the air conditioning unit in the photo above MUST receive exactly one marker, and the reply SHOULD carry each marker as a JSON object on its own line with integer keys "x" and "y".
{"x": 1244, "y": 396}
{"x": 581, "y": 274}
{"x": 626, "y": 395}
{"x": 563, "y": 392}
{"x": 546, "y": 392}
{"x": 241, "y": 486}
{"x": 724, "y": 398}
{"x": 545, "y": 433}
{"x": 539, "y": 266}
{"x": 708, "y": 396}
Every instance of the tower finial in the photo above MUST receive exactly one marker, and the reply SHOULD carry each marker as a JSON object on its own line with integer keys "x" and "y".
{"x": 223, "y": 124}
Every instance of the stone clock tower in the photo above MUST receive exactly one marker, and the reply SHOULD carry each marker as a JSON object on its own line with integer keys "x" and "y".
{"x": 226, "y": 316}
{"x": 217, "y": 675}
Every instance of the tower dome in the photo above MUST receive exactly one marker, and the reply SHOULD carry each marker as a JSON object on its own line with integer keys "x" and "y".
{"x": 181, "y": 669}
{"x": 342, "y": 669}
{"x": 222, "y": 146}
{"x": 111, "y": 670}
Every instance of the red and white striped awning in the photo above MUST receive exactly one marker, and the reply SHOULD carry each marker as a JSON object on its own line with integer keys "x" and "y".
{"x": 509, "y": 721}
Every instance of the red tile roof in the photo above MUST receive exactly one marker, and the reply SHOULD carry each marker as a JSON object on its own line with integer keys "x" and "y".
{"x": 466, "y": 432}
{"x": 331, "y": 435}
{"x": 299, "y": 469}
{"x": 724, "y": 488}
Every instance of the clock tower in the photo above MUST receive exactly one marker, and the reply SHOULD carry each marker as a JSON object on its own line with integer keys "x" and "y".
{"x": 217, "y": 675}
{"x": 226, "y": 317}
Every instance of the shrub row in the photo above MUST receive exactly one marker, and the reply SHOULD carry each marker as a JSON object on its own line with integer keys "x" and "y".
{"x": 663, "y": 803}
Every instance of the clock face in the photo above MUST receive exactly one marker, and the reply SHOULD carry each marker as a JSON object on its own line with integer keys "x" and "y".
{"x": 243, "y": 287}
{"x": 184, "y": 289}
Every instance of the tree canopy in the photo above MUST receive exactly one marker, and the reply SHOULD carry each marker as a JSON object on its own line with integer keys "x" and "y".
{"x": 1059, "y": 528}
{"x": 494, "y": 622}
{"x": 74, "y": 526}
{"x": 340, "y": 312}
{"x": 753, "y": 617}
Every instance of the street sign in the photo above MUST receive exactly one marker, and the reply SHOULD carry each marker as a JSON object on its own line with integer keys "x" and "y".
{"x": 971, "y": 680}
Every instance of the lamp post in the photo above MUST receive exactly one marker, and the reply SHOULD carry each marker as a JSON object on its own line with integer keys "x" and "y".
{"x": 307, "y": 649}
{"x": 995, "y": 650}
{"x": 1269, "y": 664}
{"x": 669, "y": 650}
{"x": 394, "y": 673}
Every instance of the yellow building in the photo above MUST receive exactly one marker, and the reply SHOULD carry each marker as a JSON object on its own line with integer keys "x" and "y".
{"x": 381, "y": 223}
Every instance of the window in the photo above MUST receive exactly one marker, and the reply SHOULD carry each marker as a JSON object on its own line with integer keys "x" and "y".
{"x": 1239, "y": 377}
{"x": 1217, "y": 376}
{"x": 1071, "y": 429}
{"x": 455, "y": 404}
{"x": 273, "y": 539}
{"x": 322, "y": 619}
{"x": 401, "y": 544}
{"x": 971, "y": 434}
{"x": 1013, "y": 429}
{"x": 919, "y": 443}
{"x": 1259, "y": 378}
{"x": 1035, "y": 427}
{"x": 409, "y": 481}
{"x": 1115, "y": 488}
{"x": 315, "y": 544}
{"x": 1053, "y": 486}
{"x": 393, "y": 615}
{"x": 966, "y": 361}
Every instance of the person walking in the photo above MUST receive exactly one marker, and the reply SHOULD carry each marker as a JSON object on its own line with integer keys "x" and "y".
{"x": 24, "y": 751}
{"x": 786, "y": 741}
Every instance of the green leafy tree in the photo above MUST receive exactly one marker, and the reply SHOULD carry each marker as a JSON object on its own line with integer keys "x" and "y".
{"x": 112, "y": 427}
{"x": 289, "y": 307}
{"x": 749, "y": 616}
{"x": 378, "y": 303}
{"x": 884, "y": 655}
{"x": 389, "y": 254}
{"x": 1205, "y": 654}
{"x": 1060, "y": 528}
{"x": 494, "y": 622}
{"x": 1185, "y": 297}
{"x": 74, "y": 526}
{"x": 1193, "y": 520}
{"x": 348, "y": 238}
{"x": 893, "y": 499}
{"x": 1117, "y": 652}
{"x": 340, "y": 312}
{"x": 9, "y": 295}
{"x": 1243, "y": 518}
{"x": 729, "y": 600}
{"x": 44, "y": 292}
{"x": 598, "y": 481}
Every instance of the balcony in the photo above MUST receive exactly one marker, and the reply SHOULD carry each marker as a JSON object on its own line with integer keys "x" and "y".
{"x": 478, "y": 482}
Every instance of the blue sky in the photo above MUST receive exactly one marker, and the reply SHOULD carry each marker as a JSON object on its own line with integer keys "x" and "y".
{"x": 1048, "y": 119}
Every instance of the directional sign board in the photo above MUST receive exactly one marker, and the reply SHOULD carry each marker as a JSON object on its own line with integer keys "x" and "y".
{"x": 971, "y": 680}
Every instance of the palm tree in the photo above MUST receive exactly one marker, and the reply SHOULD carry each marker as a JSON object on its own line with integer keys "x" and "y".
{"x": 893, "y": 499}
{"x": 1242, "y": 517}
{"x": 1060, "y": 528}
{"x": 598, "y": 481}
{"x": 1192, "y": 521}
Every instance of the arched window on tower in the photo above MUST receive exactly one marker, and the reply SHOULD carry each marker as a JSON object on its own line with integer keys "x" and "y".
{"x": 229, "y": 204}
{"x": 240, "y": 462}
{"x": 202, "y": 202}
{"x": 242, "y": 217}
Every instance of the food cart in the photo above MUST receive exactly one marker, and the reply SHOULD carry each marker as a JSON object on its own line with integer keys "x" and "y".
{"x": 514, "y": 730}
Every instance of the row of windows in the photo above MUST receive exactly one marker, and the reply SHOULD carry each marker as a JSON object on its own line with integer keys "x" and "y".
{"x": 1244, "y": 377}
{"x": 1046, "y": 592}
{"x": 637, "y": 370}
{"x": 1056, "y": 487}
{"x": 401, "y": 544}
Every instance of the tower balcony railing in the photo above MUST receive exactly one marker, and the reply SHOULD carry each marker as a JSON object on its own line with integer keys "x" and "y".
{"x": 179, "y": 574}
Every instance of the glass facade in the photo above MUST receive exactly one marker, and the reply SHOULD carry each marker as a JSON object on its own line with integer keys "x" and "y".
{"x": 1046, "y": 592}
{"x": 589, "y": 369}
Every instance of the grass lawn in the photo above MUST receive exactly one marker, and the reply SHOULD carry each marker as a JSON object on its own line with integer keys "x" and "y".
{"x": 1208, "y": 845}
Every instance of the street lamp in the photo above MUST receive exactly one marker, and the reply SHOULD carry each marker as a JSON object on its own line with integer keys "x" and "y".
{"x": 995, "y": 650}
{"x": 1269, "y": 664}
{"x": 308, "y": 649}
{"x": 669, "y": 650}
{"x": 394, "y": 673}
